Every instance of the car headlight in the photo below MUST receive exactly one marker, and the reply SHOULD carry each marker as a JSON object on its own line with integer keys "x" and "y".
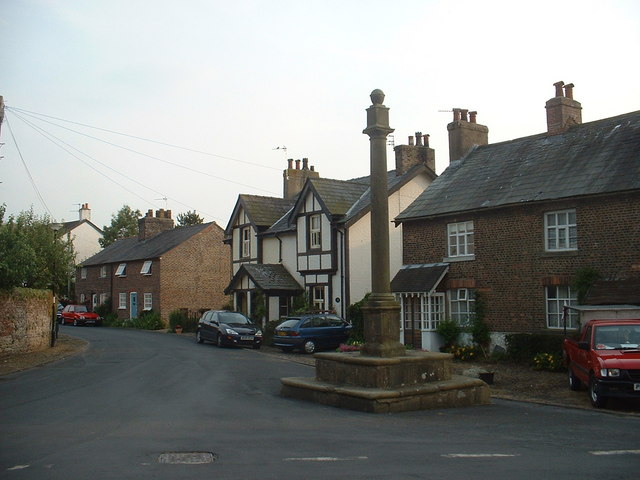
{"x": 231, "y": 331}
{"x": 610, "y": 372}
{"x": 258, "y": 333}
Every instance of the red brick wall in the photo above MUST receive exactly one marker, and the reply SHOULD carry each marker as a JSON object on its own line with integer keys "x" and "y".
{"x": 511, "y": 266}
{"x": 195, "y": 274}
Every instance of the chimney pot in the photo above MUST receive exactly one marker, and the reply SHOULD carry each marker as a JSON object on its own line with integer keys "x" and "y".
{"x": 419, "y": 139}
{"x": 149, "y": 213}
{"x": 305, "y": 164}
{"x": 472, "y": 116}
{"x": 568, "y": 90}
{"x": 297, "y": 164}
{"x": 290, "y": 163}
{"x": 313, "y": 169}
{"x": 425, "y": 137}
{"x": 559, "y": 86}
{"x": 456, "y": 114}
{"x": 410, "y": 139}
{"x": 463, "y": 114}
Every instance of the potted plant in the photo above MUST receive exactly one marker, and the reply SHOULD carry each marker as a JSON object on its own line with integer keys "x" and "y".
{"x": 178, "y": 329}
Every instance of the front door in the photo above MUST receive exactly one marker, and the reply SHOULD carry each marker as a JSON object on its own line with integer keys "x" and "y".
{"x": 133, "y": 305}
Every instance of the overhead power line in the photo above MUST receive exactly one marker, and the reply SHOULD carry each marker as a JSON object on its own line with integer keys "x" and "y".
{"x": 28, "y": 112}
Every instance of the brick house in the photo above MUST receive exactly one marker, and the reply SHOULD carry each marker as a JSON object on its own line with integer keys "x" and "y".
{"x": 162, "y": 269}
{"x": 316, "y": 240}
{"x": 517, "y": 220}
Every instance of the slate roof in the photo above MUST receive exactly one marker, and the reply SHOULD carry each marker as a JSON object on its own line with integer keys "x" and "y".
{"x": 68, "y": 226}
{"x": 419, "y": 278}
{"x": 589, "y": 159}
{"x": 263, "y": 211}
{"x": 268, "y": 277}
{"x": 338, "y": 195}
{"x": 130, "y": 249}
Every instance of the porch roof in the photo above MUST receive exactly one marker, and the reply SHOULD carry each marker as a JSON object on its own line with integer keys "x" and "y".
{"x": 419, "y": 278}
{"x": 267, "y": 277}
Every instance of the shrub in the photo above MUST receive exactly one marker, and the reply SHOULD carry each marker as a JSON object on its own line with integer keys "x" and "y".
{"x": 548, "y": 361}
{"x": 148, "y": 320}
{"x": 464, "y": 352}
{"x": 111, "y": 320}
{"x": 523, "y": 347}
{"x": 178, "y": 317}
{"x": 355, "y": 317}
{"x": 449, "y": 330}
{"x": 269, "y": 330}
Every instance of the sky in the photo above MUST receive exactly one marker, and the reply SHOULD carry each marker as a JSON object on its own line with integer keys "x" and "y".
{"x": 182, "y": 105}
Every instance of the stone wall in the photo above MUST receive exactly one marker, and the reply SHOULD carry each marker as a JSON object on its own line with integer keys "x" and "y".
{"x": 25, "y": 320}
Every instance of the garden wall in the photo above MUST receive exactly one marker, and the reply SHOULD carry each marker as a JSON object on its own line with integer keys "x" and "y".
{"x": 25, "y": 320}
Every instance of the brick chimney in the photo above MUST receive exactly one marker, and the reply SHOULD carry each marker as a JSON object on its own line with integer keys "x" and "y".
{"x": 148, "y": 226}
{"x": 464, "y": 133}
{"x": 294, "y": 178}
{"x": 85, "y": 212}
{"x": 414, "y": 154}
{"x": 562, "y": 110}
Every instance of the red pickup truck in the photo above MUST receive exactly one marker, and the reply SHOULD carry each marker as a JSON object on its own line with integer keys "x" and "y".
{"x": 606, "y": 359}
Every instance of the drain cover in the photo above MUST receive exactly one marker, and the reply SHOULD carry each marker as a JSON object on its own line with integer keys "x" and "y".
{"x": 191, "y": 458}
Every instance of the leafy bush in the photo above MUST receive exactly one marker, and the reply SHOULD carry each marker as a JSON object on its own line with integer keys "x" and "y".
{"x": 148, "y": 320}
{"x": 104, "y": 309}
{"x": 111, "y": 320}
{"x": 269, "y": 331}
{"x": 548, "y": 361}
{"x": 356, "y": 318}
{"x": 523, "y": 347}
{"x": 464, "y": 352}
{"x": 189, "y": 323}
{"x": 449, "y": 330}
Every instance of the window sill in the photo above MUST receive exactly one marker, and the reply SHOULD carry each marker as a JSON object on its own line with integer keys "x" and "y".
{"x": 462, "y": 258}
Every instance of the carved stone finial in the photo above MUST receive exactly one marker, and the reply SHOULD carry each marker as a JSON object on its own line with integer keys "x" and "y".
{"x": 377, "y": 97}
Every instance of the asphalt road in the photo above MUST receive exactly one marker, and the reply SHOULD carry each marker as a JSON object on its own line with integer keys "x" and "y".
{"x": 138, "y": 405}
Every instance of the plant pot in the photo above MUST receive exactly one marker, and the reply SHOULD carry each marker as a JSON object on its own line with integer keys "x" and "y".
{"x": 178, "y": 330}
{"x": 486, "y": 377}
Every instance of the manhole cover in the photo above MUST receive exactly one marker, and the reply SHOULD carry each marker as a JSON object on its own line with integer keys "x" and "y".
{"x": 191, "y": 458}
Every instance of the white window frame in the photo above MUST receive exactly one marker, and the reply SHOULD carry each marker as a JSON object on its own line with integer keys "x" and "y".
{"x": 103, "y": 271}
{"x": 122, "y": 270}
{"x": 103, "y": 298}
{"x": 318, "y": 298}
{"x": 83, "y": 273}
{"x": 315, "y": 231}
{"x": 461, "y": 239}
{"x": 461, "y": 305}
{"x": 148, "y": 302}
{"x": 146, "y": 267}
{"x": 82, "y": 298}
{"x": 561, "y": 230}
{"x": 556, "y": 297}
{"x": 245, "y": 242}
{"x": 122, "y": 301}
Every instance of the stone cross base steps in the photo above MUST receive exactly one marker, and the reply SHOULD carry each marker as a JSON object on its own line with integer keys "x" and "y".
{"x": 417, "y": 381}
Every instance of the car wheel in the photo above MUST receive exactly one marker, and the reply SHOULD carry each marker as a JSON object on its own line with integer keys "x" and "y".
{"x": 199, "y": 338}
{"x": 309, "y": 346}
{"x": 574, "y": 382}
{"x": 219, "y": 341}
{"x": 597, "y": 400}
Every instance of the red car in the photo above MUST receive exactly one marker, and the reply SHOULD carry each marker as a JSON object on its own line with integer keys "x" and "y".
{"x": 79, "y": 315}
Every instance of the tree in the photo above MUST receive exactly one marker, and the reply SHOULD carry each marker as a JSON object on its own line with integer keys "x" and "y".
{"x": 34, "y": 253}
{"x": 123, "y": 224}
{"x": 189, "y": 218}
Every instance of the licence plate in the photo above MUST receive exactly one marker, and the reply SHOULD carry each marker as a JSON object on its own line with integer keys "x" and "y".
{"x": 246, "y": 338}
{"x": 636, "y": 387}
{"x": 282, "y": 334}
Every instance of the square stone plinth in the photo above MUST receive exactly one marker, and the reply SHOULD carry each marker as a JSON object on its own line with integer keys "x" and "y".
{"x": 417, "y": 381}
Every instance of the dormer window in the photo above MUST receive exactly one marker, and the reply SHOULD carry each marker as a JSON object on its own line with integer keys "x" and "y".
{"x": 122, "y": 270}
{"x": 146, "y": 268}
{"x": 315, "y": 237}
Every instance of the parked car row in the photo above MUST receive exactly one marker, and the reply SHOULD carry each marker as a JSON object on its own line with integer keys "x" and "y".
{"x": 306, "y": 333}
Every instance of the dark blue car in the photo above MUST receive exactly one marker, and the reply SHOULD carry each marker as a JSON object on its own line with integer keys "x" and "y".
{"x": 311, "y": 332}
